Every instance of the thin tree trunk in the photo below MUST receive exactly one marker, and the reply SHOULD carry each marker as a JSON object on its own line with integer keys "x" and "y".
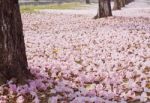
{"x": 104, "y": 9}
{"x": 122, "y": 2}
{"x": 128, "y": 1}
{"x": 117, "y": 5}
{"x": 13, "y": 61}
{"x": 87, "y": 1}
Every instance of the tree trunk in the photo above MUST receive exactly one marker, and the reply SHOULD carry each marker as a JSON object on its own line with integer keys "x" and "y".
{"x": 128, "y": 1}
{"x": 117, "y": 5}
{"x": 13, "y": 61}
{"x": 122, "y": 2}
{"x": 104, "y": 9}
{"x": 87, "y": 1}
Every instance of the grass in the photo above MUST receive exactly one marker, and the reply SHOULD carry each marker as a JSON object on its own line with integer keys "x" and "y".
{"x": 34, "y": 8}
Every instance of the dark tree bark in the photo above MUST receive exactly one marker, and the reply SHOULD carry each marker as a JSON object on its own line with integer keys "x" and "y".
{"x": 13, "y": 61}
{"x": 128, "y": 1}
{"x": 122, "y": 2}
{"x": 104, "y": 9}
{"x": 117, "y": 5}
{"x": 87, "y": 1}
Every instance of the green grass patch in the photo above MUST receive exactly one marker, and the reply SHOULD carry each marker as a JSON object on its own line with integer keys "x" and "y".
{"x": 34, "y": 8}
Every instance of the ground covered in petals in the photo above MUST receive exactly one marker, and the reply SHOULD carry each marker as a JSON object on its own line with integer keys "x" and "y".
{"x": 77, "y": 59}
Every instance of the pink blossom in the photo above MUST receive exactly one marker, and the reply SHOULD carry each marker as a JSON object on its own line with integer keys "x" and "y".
{"x": 20, "y": 99}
